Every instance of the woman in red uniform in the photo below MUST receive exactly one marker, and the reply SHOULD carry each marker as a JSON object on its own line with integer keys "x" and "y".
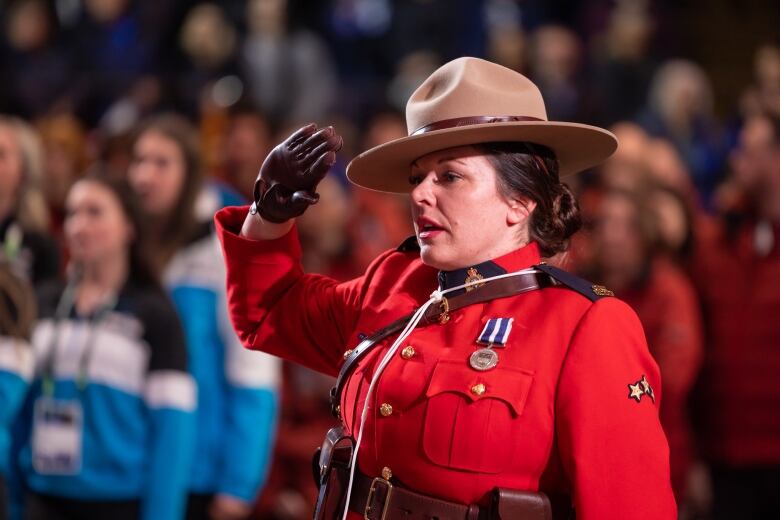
{"x": 513, "y": 378}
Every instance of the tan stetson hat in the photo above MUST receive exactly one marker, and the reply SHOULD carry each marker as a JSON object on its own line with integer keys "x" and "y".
{"x": 470, "y": 101}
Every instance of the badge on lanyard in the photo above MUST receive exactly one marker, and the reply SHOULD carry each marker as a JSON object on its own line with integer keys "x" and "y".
{"x": 495, "y": 334}
{"x": 57, "y": 436}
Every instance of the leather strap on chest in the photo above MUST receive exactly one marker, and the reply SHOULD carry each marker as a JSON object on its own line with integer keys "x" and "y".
{"x": 492, "y": 290}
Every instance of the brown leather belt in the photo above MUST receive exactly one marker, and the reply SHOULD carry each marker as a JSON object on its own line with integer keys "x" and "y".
{"x": 378, "y": 499}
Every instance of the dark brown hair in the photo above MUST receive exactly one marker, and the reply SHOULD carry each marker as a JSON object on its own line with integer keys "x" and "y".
{"x": 531, "y": 171}
{"x": 182, "y": 223}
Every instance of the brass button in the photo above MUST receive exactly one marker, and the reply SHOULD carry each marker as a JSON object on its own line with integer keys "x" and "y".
{"x": 386, "y": 473}
{"x": 478, "y": 389}
{"x": 385, "y": 409}
{"x": 347, "y": 353}
{"x": 408, "y": 352}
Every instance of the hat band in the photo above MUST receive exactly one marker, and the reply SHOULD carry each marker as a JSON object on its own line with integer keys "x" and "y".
{"x": 468, "y": 121}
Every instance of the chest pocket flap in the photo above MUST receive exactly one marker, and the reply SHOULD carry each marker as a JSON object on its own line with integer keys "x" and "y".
{"x": 510, "y": 385}
{"x": 472, "y": 418}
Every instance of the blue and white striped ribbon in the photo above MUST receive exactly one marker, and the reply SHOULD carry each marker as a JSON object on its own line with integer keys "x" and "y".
{"x": 496, "y": 331}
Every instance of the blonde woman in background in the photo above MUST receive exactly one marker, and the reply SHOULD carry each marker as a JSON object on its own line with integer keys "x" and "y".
{"x": 23, "y": 214}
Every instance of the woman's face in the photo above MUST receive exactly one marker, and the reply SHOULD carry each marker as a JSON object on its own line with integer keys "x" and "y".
{"x": 157, "y": 173}
{"x": 459, "y": 216}
{"x": 96, "y": 227}
{"x": 617, "y": 235}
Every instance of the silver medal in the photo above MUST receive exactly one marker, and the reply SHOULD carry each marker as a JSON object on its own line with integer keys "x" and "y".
{"x": 483, "y": 359}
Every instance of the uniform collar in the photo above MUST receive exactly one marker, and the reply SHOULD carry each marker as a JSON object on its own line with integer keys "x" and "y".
{"x": 518, "y": 259}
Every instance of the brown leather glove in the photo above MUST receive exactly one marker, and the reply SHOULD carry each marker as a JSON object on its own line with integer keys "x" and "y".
{"x": 288, "y": 179}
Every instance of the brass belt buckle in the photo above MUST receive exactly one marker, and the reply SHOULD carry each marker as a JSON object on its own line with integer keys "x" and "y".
{"x": 377, "y": 481}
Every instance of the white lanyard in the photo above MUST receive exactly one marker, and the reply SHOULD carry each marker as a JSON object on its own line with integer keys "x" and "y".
{"x": 64, "y": 308}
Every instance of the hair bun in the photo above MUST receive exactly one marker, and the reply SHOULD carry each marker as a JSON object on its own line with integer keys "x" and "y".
{"x": 531, "y": 171}
{"x": 566, "y": 212}
{"x": 564, "y": 220}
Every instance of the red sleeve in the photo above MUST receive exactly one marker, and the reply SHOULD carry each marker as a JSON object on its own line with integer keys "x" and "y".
{"x": 612, "y": 446}
{"x": 275, "y": 308}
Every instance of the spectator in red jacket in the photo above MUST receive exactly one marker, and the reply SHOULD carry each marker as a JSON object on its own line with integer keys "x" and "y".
{"x": 737, "y": 270}
{"x": 628, "y": 258}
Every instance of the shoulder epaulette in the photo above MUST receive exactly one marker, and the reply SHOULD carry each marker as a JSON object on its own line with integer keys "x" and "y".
{"x": 589, "y": 290}
{"x": 410, "y": 245}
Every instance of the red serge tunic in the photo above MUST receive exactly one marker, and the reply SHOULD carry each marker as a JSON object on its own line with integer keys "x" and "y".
{"x": 557, "y": 412}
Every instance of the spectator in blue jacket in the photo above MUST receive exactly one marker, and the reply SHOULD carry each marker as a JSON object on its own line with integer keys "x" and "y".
{"x": 17, "y": 314}
{"x": 237, "y": 398}
{"x": 107, "y": 427}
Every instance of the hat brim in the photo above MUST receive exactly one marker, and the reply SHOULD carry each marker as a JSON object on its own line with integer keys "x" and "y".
{"x": 387, "y": 166}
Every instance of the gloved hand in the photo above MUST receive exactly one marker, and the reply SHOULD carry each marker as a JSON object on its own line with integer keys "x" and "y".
{"x": 288, "y": 179}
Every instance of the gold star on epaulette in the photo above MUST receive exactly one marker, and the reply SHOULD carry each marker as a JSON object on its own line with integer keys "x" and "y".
{"x": 635, "y": 391}
{"x": 647, "y": 388}
{"x": 600, "y": 290}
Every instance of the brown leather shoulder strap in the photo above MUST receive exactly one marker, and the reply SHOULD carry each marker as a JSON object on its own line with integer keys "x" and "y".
{"x": 492, "y": 290}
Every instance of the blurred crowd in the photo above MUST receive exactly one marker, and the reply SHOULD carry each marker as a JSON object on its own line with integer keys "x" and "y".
{"x": 124, "y": 125}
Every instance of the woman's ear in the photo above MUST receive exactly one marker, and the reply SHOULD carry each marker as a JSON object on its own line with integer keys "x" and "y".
{"x": 519, "y": 211}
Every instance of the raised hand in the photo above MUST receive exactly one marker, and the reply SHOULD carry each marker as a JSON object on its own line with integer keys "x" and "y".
{"x": 288, "y": 179}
